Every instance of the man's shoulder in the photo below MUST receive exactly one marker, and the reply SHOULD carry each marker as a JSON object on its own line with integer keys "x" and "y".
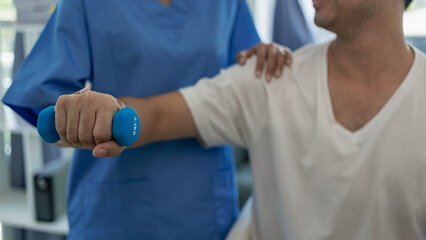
{"x": 309, "y": 65}
{"x": 308, "y": 61}
{"x": 310, "y": 53}
{"x": 305, "y": 62}
{"x": 418, "y": 69}
{"x": 421, "y": 55}
{"x": 419, "y": 65}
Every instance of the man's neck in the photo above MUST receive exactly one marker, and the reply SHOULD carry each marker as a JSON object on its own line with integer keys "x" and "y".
{"x": 371, "y": 56}
{"x": 364, "y": 73}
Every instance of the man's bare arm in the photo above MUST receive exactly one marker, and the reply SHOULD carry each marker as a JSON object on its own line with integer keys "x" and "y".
{"x": 163, "y": 117}
{"x": 84, "y": 120}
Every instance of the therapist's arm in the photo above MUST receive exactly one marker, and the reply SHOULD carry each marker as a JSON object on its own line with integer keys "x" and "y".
{"x": 84, "y": 120}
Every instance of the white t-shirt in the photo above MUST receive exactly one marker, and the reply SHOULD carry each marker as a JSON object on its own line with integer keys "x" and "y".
{"x": 313, "y": 178}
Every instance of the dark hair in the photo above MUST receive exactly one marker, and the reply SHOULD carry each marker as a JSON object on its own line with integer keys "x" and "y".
{"x": 407, "y": 3}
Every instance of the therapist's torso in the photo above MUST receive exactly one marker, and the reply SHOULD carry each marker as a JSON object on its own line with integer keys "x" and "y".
{"x": 168, "y": 190}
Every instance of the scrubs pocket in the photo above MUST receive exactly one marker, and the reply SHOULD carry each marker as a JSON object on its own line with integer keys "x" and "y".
{"x": 119, "y": 210}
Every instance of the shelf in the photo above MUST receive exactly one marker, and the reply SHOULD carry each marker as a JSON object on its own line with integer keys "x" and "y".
{"x": 19, "y": 129}
{"x": 14, "y": 212}
{"x": 17, "y": 207}
{"x": 22, "y": 27}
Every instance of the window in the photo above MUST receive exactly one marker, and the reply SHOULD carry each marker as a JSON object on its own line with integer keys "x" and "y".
{"x": 414, "y": 24}
{"x": 7, "y": 10}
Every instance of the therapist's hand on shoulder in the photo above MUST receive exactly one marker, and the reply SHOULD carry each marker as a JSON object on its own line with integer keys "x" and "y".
{"x": 275, "y": 56}
{"x": 84, "y": 120}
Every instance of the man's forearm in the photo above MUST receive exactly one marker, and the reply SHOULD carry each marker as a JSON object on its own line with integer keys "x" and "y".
{"x": 163, "y": 117}
{"x": 84, "y": 120}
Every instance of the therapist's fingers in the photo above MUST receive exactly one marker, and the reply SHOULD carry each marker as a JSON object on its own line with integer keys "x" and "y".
{"x": 277, "y": 58}
{"x": 284, "y": 58}
{"x": 288, "y": 57}
{"x": 270, "y": 69}
{"x": 244, "y": 55}
{"x": 107, "y": 149}
{"x": 279, "y": 65}
{"x": 262, "y": 52}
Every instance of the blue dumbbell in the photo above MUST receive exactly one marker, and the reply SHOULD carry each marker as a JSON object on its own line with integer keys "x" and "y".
{"x": 125, "y": 126}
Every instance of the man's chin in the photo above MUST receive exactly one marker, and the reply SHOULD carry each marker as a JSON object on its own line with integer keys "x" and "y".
{"x": 323, "y": 23}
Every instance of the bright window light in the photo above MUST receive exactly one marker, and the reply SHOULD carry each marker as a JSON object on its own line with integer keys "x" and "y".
{"x": 7, "y": 58}
{"x": 414, "y": 20}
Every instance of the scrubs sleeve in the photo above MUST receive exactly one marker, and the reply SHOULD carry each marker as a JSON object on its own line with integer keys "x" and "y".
{"x": 59, "y": 63}
{"x": 230, "y": 108}
{"x": 244, "y": 34}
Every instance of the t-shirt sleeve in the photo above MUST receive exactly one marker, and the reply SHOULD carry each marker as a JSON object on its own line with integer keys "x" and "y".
{"x": 229, "y": 108}
{"x": 58, "y": 64}
{"x": 244, "y": 34}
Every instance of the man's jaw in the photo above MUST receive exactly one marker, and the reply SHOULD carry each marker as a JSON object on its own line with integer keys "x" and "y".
{"x": 324, "y": 13}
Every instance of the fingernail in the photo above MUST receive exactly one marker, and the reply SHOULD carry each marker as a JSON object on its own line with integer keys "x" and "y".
{"x": 277, "y": 73}
{"x": 102, "y": 152}
{"x": 268, "y": 77}
{"x": 288, "y": 62}
{"x": 258, "y": 73}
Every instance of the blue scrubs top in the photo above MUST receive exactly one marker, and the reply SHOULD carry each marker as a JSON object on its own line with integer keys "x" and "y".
{"x": 167, "y": 190}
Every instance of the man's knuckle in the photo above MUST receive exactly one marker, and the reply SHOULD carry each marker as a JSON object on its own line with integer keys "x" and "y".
{"x": 102, "y": 135}
{"x": 62, "y": 100}
{"x": 76, "y": 100}
{"x": 85, "y": 136}
{"x": 86, "y": 139}
{"x": 61, "y": 131}
{"x": 90, "y": 100}
{"x": 72, "y": 137}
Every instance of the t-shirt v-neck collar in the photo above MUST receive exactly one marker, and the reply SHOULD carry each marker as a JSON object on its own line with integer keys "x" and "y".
{"x": 385, "y": 112}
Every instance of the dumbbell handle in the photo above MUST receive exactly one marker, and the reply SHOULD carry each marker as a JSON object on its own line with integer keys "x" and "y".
{"x": 125, "y": 126}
